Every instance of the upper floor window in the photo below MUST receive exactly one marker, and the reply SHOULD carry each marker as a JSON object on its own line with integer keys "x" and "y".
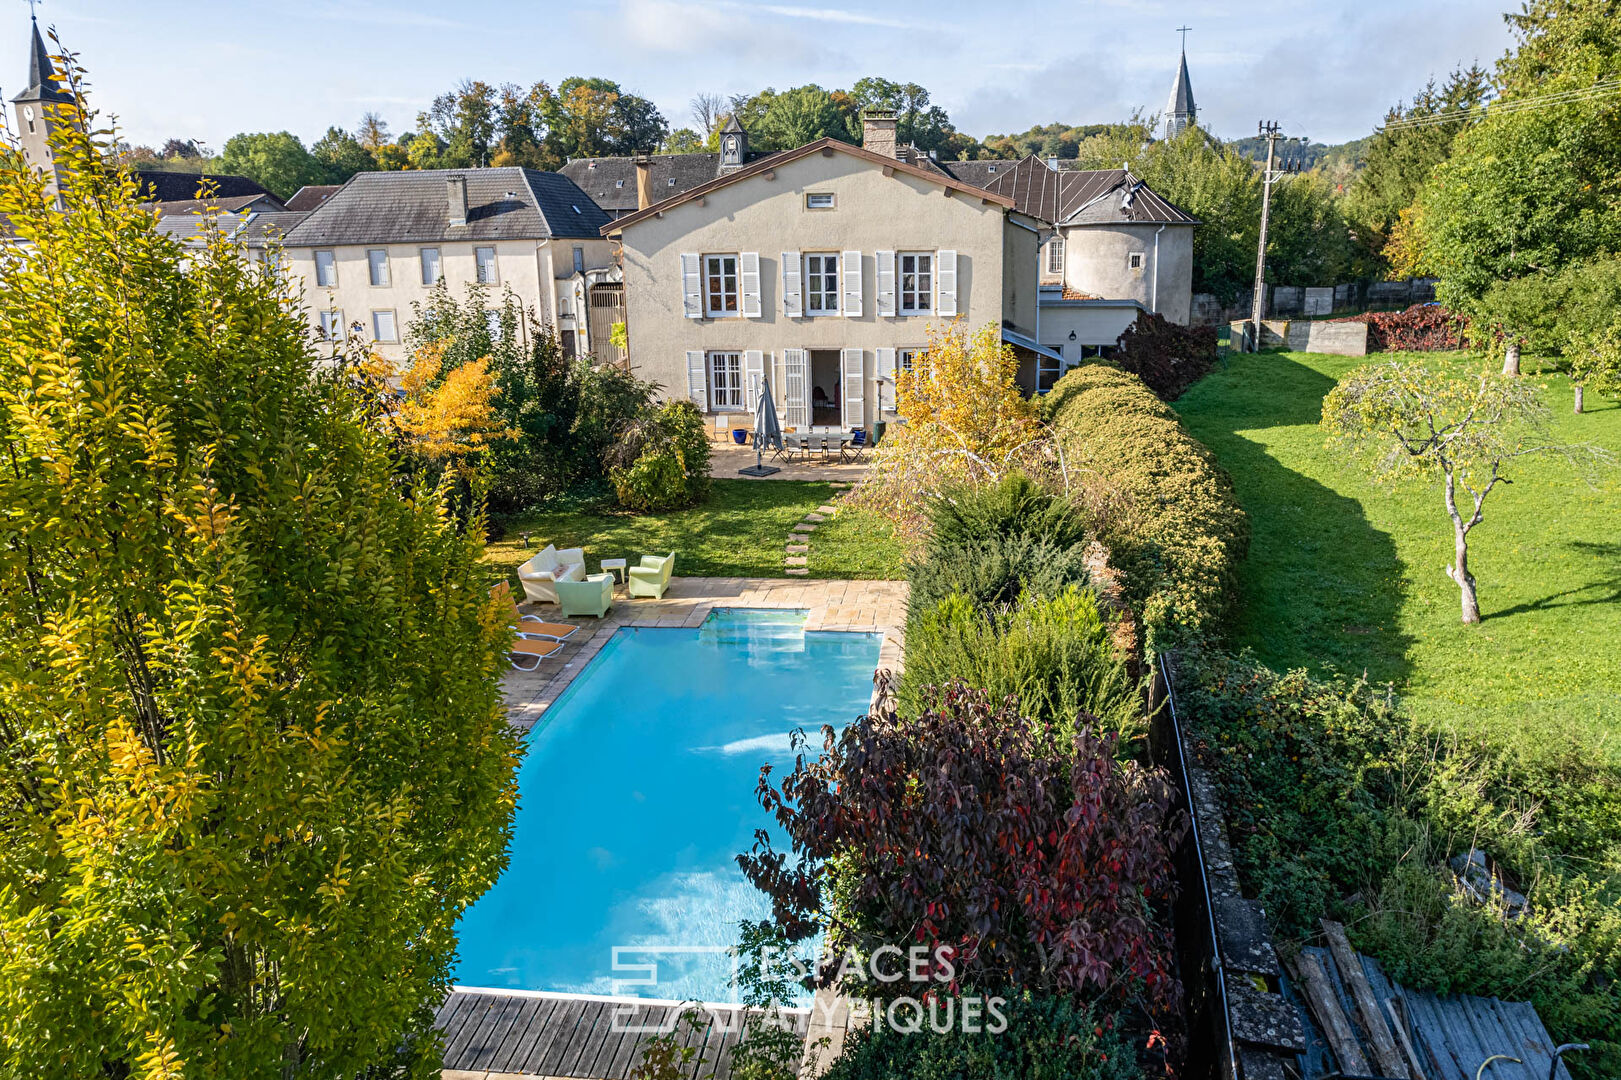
{"x": 431, "y": 273}
{"x": 822, "y": 283}
{"x": 917, "y": 281}
{"x": 1055, "y": 255}
{"x": 720, "y": 284}
{"x": 484, "y": 259}
{"x": 819, "y": 200}
{"x": 1135, "y": 260}
{"x": 377, "y": 265}
{"x": 326, "y": 269}
{"x": 331, "y": 325}
{"x": 382, "y": 326}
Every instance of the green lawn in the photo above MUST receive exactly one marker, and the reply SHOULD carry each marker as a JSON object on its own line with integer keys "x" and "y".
{"x": 740, "y": 532}
{"x": 1346, "y": 576}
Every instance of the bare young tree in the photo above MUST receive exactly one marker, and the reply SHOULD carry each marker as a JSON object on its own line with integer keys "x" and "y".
{"x": 372, "y": 132}
{"x": 709, "y": 112}
{"x": 1407, "y": 420}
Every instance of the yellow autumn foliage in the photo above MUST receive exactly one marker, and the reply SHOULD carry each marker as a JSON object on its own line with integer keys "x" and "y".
{"x": 451, "y": 418}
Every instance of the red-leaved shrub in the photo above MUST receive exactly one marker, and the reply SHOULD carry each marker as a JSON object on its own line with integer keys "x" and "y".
{"x": 1421, "y": 328}
{"x": 1028, "y": 859}
{"x": 1168, "y": 357}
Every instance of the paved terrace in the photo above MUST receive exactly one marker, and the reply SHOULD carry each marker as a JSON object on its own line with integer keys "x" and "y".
{"x": 871, "y": 606}
{"x": 727, "y": 457}
{"x": 493, "y": 1035}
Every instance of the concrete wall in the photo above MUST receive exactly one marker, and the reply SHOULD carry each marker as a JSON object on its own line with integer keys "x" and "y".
{"x": 521, "y": 265}
{"x": 1308, "y": 335}
{"x": 872, "y": 212}
{"x": 1097, "y": 260}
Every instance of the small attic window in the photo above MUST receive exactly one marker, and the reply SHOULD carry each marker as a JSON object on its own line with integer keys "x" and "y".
{"x": 819, "y": 200}
{"x": 576, "y": 209}
{"x": 619, "y": 183}
{"x": 590, "y": 164}
{"x": 672, "y": 181}
{"x": 991, "y": 171}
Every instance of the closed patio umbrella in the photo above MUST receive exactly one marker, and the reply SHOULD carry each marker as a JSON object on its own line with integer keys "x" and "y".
{"x": 767, "y": 432}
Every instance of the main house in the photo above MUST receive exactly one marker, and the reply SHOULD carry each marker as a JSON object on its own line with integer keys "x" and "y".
{"x": 381, "y": 242}
{"x": 825, "y": 268}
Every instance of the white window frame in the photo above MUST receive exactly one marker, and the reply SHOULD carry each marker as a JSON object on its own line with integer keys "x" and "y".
{"x": 722, "y": 286}
{"x": 819, "y": 200}
{"x": 817, "y": 287}
{"x": 332, "y": 324}
{"x": 1055, "y": 255}
{"x": 920, "y": 291}
{"x": 492, "y": 323}
{"x": 377, "y": 267}
{"x": 326, "y": 278}
{"x": 438, "y": 265}
{"x": 906, "y": 357}
{"x": 479, "y": 265}
{"x": 727, "y": 390}
{"x": 393, "y": 326}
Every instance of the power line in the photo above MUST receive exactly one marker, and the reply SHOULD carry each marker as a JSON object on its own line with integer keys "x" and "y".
{"x": 1597, "y": 90}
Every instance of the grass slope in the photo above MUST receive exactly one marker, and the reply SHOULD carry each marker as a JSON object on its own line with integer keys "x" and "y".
{"x": 1346, "y": 576}
{"x": 740, "y": 532}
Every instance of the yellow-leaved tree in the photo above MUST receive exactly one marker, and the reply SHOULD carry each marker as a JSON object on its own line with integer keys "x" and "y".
{"x": 449, "y": 417}
{"x": 963, "y": 420}
{"x": 254, "y": 761}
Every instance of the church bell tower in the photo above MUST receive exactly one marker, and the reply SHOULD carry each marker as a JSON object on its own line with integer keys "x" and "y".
{"x": 35, "y": 107}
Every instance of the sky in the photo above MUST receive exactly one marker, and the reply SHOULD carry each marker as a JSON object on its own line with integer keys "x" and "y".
{"x": 1328, "y": 71}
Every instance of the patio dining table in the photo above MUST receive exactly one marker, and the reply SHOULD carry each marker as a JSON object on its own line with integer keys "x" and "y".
{"x": 805, "y": 443}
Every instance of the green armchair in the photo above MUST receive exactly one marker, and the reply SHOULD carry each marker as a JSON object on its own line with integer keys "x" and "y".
{"x": 652, "y": 577}
{"x": 593, "y": 596}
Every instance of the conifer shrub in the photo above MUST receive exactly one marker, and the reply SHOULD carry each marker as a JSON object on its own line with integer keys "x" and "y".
{"x": 1158, "y": 498}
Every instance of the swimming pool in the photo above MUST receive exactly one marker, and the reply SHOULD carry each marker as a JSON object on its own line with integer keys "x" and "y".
{"x": 638, "y": 793}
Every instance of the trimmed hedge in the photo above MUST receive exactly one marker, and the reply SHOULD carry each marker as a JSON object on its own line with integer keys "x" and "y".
{"x": 1161, "y": 502}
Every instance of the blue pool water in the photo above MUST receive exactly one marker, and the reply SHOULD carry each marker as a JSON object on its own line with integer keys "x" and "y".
{"x": 638, "y": 793}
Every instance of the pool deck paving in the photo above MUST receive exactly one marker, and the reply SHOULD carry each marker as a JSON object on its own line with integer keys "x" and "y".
{"x": 869, "y": 606}
{"x": 495, "y": 1035}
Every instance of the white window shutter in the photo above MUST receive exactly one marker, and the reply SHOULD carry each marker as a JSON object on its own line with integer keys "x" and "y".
{"x": 945, "y": 283}
{"x": 886, "y": 374}
{"x": 753, "y": 375}
{"x": 697, "y": 379}
{"x": 793, "y": 295}
{"x": 748, "y": 272}
{"x": 855, "y": 384}
{"x": 793, "y": 382}
{"x": 884, "y": 262}
{"x": 692, "y": 287}
{"x": 850, "y": 272}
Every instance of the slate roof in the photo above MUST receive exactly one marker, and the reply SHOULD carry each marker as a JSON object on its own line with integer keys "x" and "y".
{"x": 253, "y": 229}
{"x": 310, "y": 196}
{"x": 160, "y": 186}
{"x": 824, "y": 146}
{"x": 233, "y": 204}
{"x": 1070, "y": 196}
{"x": 611, "y": 181}
{"x": 1181, "y": 102}
{"x": 414, "y": 207}
{"x": 42, "y": 85}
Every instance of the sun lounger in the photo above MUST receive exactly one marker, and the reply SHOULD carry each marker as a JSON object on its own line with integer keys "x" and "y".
{"x": 531, "y": 626}
{"x": 534, "y": 652}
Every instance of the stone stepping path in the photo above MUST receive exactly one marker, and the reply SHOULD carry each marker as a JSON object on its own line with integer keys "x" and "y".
{"x": 796, "y": 553}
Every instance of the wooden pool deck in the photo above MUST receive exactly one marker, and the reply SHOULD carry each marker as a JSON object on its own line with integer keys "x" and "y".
{"x": 500, "y": 1036}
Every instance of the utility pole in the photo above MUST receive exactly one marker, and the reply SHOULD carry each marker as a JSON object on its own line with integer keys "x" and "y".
{"x": 1268, "y": 128}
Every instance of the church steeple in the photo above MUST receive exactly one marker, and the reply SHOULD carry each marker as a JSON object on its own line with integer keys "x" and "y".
{"x": 734, "y": 145}
{"x": 1180, "y": 111}
{"x": 35, "y": 104}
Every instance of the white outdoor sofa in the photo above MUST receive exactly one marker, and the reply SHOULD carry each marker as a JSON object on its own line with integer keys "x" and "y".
{"x": 540, "y": 574}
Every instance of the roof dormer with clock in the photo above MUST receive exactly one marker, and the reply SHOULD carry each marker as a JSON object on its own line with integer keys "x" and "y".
{"x": 734, "y": 146}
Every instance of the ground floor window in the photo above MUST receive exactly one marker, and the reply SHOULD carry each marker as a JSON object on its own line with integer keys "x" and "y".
{"x": 1049, "y": 369}
{"x": 1089, "y": 352}
{"x": 331, "y": 325}
{"x": 725, "y": 381}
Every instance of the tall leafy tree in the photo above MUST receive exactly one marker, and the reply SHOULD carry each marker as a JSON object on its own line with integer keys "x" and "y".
{"x": 801, "y": 115}
{"x": 917, "y": 121}
{"x": 277, "y": 160}
{"x": 341, "y": 155}
{"x": 253, "y": 756}
{"x": 1417, "y": 136}
{"x": 1221, "y": 189}
{"x": 464, "y": 123}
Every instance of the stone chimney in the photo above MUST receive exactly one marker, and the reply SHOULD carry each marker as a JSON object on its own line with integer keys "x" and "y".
{"x": 456, "y": 190}
{"x": 1052, "y": 163}
{"x": 878, "y": 131}
{"x": 644, "y": 180}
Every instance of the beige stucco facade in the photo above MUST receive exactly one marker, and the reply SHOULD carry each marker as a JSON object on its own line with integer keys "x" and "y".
{"x": 1099, "y": 260}
{"x": 844, "y": 361}
{"x": 541, "y": 273}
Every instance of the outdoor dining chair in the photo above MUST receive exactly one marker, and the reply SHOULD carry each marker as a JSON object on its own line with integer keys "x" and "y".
{"x": 856, "y": 449}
